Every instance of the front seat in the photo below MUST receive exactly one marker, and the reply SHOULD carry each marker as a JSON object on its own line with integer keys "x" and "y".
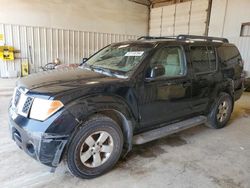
{"x": 172, "y": 66}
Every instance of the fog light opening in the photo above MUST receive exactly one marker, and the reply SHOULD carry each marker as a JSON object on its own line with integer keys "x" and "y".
{"x": 30, "y": 148}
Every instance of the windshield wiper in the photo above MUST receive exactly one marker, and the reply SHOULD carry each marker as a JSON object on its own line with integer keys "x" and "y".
{"x": 101, "y": 69}
{"x": 110, "y": 72}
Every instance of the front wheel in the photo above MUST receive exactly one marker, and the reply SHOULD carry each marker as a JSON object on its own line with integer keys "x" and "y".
{"x": 96, "y": 148}
{"x": 221, "y": 111}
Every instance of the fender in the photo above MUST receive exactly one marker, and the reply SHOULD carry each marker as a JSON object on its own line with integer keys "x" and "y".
{"x": 87, "y": 106}
{"x": 227, "y": 85}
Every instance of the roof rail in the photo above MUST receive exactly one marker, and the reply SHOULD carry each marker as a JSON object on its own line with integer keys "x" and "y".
{"x": 152, "y": 38}
{"x": 211, "y": 39}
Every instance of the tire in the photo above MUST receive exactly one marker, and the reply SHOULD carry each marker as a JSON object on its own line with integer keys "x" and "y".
{"x": 85, "y": 157}
{"x": 221, "y": 111}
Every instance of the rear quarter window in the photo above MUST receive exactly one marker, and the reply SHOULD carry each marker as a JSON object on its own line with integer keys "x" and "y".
{"x": 228, "y": 55}
{"x": 231, "y": 62}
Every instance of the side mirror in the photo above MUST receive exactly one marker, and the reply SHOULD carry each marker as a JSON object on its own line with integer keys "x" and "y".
{"x": 83, "y": 61}
{"x": 157, "y": 71}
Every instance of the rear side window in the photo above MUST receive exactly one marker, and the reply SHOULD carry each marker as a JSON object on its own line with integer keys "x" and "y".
{"x": 228, "y": 55}
{"x": 203, "y": 59}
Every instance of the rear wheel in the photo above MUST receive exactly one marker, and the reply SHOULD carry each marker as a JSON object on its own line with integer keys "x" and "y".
{"x": 96, "y": 148}
{"x": 221, "y": 111}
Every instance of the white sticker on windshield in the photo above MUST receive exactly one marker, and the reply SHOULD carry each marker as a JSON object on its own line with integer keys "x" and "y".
{"x": 135, "y": 53}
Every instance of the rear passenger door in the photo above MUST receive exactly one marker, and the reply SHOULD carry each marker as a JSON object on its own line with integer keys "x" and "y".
{"x": 205, "y": 77}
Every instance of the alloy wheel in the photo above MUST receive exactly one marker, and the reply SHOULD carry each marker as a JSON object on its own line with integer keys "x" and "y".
{"x": 96, "y": 149}
{"x": 223, "y": 111}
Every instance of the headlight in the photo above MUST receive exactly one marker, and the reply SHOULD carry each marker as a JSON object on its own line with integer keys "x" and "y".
{"x": 41, "y": 108}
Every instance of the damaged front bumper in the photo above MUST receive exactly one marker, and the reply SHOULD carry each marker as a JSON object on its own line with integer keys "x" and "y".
{"x": 43, "y": 141}
{"x": 44, "y": 147}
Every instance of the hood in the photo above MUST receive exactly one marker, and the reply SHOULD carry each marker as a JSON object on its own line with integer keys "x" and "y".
{"x": 51, "y": 83}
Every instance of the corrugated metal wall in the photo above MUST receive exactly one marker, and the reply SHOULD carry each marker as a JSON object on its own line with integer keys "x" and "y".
{"x": 42, "y": 45}
{"x": 183, "y": 18}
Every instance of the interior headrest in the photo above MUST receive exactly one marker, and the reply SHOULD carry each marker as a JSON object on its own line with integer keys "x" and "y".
{"x": 173, "y": 59}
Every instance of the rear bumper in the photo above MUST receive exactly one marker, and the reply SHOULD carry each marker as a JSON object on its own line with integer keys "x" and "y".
{"x": 46, "y": 148}
{"x": 247, "y": 84}
{"x": 238, "y": 93}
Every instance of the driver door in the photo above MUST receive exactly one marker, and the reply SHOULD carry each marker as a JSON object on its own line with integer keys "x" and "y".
{"x": 167, "y": 97}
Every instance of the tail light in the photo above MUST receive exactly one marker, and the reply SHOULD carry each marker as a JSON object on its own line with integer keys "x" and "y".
{"x": 241, "y": 62}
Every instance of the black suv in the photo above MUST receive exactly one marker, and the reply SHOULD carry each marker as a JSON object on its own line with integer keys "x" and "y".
{"x": 127, "y": 93}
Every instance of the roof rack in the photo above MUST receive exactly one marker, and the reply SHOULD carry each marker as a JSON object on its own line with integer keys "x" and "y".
{"x": 211, "y": 39}
{"x": 186, "y": 37}
{"x": 152, "y": 38}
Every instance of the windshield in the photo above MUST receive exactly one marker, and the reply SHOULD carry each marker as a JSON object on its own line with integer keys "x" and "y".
{"x": 118, "y": 60}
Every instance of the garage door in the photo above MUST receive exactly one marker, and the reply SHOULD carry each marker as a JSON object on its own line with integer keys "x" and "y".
{"x": 182, "y": 18}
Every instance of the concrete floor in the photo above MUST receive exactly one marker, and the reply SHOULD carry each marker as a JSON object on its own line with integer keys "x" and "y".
{"x": 198, "y": 157}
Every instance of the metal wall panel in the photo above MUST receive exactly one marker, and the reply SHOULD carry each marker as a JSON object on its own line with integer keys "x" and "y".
{"x": 243, "y": 43}
{"x": 155, "y": 23}
{"x": 198, "y": 17}
{"x": 43, "y": 45}
{"x": 183, "y": 18}
{"x": 168, "y": 20}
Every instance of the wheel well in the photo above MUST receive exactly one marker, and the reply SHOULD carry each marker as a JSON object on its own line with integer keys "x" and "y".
{"x": 229, "y": 92}
{"x": 113, "y": 115}
{"x": 125, "y": 125}
{"x": 121, "y": 120}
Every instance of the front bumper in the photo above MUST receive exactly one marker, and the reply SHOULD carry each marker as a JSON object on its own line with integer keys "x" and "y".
{"x": 43, "y": 147}
{"x": 43, "y": 141}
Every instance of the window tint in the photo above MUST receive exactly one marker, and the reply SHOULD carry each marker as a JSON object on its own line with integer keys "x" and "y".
{"x": 228, "y": 54}
{"x": 171, "y": 58}
{"x": 230, "y": 59}
{"x": 203, "y": 59}
{"x": 212, "y": 58}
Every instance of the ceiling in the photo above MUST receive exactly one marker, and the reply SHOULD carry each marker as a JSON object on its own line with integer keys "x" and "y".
{"x": 157, "y": 3}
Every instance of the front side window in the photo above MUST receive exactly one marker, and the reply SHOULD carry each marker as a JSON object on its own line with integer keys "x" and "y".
{"x": 171, "y": 58}
{"x": 119, "y": 59}
{"x": 203, "y": 59}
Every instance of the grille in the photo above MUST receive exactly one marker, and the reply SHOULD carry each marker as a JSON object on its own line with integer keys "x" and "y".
{"x": 17, "y": 97}
{"x": 22, "y": 102}
{"x": 27, "y": 105}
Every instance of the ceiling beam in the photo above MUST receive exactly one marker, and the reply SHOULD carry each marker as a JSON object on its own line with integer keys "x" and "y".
{"x": 159, "y": 3}
{"x": 142, "y": 2}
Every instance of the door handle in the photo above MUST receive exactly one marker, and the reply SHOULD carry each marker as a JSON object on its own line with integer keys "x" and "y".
{"x": 186, "y": 84}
